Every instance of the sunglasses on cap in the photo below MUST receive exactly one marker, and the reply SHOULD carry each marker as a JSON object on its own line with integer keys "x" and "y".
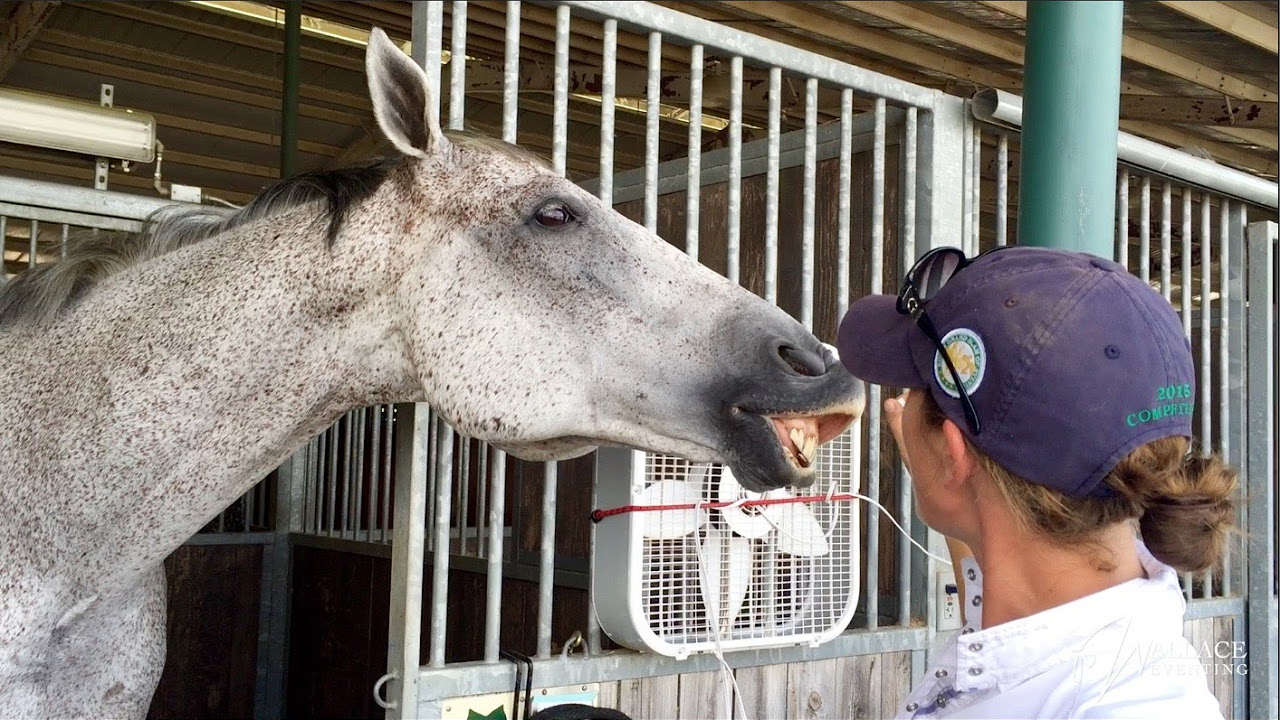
{"x": 922, "y": 283}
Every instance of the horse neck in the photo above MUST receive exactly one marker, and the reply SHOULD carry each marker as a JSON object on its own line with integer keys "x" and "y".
{"x": 177, "y": 385}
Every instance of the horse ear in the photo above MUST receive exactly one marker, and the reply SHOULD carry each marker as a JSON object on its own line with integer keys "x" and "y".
{"x": 401, "y": 104}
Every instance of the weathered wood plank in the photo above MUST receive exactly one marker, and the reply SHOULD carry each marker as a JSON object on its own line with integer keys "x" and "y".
{"x": 859, "y": 686}
{"x": 814, "y": 690}
{"x": 764, "y": 692}
{"x": 703, "y": 696}
{"x": 895, "y": 682}
{"x": 653, "y": 697}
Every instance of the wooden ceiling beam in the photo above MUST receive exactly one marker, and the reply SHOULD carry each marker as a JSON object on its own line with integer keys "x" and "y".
{"x": 1199, "y": 111}
{"x": 21, "y": 26}
{"x": 913, "y": 16}
{"x": 877, "y": 41}
{"x": 111, "y": 71}
{"x": 165, "y": 120}
{"x": 1229, "y": 20}
{"x": 1151, "y": 54}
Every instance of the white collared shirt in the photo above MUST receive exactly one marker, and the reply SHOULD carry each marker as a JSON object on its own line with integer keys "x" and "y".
{"x": 1118, "y": 653}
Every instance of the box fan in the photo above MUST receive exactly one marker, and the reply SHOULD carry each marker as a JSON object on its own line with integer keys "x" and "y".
{"x": 688, "y": 561}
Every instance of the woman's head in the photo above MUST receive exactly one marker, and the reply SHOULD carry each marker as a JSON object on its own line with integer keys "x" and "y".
{"x": 1081, "y": 381}
{"x": 1183, "y": 503}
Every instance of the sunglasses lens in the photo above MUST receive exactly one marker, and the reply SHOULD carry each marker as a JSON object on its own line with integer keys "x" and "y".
{"x": 932, "y": 275}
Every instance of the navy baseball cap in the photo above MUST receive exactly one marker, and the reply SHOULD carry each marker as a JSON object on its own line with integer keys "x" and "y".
{"x": 1070, "y": 361}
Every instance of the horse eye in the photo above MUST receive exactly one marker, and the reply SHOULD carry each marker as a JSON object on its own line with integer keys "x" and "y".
{"x": 553, "y": 216}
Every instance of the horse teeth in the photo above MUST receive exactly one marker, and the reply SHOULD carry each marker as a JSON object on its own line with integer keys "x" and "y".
{"x": 797, "y": 439}
{"x": 810, "y": 449}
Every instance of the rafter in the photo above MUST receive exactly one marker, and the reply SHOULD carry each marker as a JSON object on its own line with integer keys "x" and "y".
{"x": 1199, "y": 111}
{"x": 1229, "y": 20}
{"x": 877, "y": 41}
{"x": 915, "y": 17}
{"x": 20, "y": 28}
{"x": 1148, "y": 52}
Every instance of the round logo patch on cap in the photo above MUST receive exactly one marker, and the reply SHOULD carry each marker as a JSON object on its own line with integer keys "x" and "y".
{"x": 969, "y": 357}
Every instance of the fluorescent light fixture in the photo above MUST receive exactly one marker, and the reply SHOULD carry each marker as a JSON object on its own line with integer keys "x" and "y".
{"x": 76, "y": 126}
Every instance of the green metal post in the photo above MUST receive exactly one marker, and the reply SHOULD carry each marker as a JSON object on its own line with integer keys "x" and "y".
{"x": 289, "y": 93}
{"x": 1070, "y": 117}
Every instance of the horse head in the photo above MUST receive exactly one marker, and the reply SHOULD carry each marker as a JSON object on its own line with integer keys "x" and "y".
{"x": 535, "y": 317}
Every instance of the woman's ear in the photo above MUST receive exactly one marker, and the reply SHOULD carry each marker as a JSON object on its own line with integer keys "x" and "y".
{"x": 960, "y": 455}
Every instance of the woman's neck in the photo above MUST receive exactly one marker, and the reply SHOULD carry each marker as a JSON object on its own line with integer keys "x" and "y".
{"x": 1023, "y": 573}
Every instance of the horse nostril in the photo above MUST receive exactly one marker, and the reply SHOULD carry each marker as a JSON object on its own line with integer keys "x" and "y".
{"x": 803, "y": 362}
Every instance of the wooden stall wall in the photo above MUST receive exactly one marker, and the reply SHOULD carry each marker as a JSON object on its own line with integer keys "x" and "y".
{"x": 210, "y": 667}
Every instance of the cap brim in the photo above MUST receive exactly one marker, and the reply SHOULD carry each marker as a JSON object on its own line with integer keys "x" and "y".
{"x": 875, "y": 343}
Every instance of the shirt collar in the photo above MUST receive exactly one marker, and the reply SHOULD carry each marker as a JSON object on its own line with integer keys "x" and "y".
{"x": 1008, "y": 654}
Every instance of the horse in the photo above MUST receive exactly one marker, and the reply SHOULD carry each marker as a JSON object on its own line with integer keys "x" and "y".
{"x": 149, "y": 383}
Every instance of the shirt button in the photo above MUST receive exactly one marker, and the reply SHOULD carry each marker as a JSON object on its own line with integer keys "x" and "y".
{"x": 975, "y": 671}
{"x": 971, "y": 574}
{"x": 975, "y": 647}
{"x": 942, "y": 701}
{"x": 940, "y": 673}
{"x": 977, "y": 600}
{"x": 911, "y": 707}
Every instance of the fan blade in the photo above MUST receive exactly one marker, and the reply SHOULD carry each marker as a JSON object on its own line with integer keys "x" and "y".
{"x": 799, "y": 532}
{"x": 725, "y": 575}
{"x": 745, "y": 521}
{"x": 670, "y": 524}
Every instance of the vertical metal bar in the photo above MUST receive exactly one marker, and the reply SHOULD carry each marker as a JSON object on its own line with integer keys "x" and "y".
{"x": 482, "y": 501}
{"x": 1236, "y": 386}
{"x": 1224, "y": 370}
{"x": 458, "y": 65}
{"x": 359, "y": 474}
{"x": 608, "y": 90}
{"x": 693, "y": 187}
{"x": 734, "y": 230}
{"x": 810, "y": 201}
{"x": 66, "y": 230}
{"x": 387, "y": 450}
{"x": 560, "y": 94}
{"x": 1260, "y": 526}
{"x": 348, "y": 480}
{"x": 547, "y": 559}
{"x": 497, "y": 525}
{"x": 427, "y": 33}
{"x": 35, "y": 237}
{"x": 4, "y": 240}
{"x": 511, "y": 74}
{"x": 1186, "y": 280}
{"x": 843, "y": 283}
{"x": 464, "y": 494}
{"x": 1166, "y": 240}
{"x": 909, "y": 161}
{"x": 1144, "y": 231}
{"x": 440, "y": 557}
{"x": 653, "y": 105}
{"x": 771, "y": 187}
{"x": 333, "y": 480}
{"x": 405, "y": 636}
{"x": 1122, "y": 218}
{"x": 1206, "y": 365}
{"x": 966, "y": 172}
{"x": 433, "y": 434}
{"x": 289, "y": 91}
{"x": 1002, "y": 190}
{"x": 375, "y": 469}
{"x": 873, "y": 401}
{"x": 976, "y": 224}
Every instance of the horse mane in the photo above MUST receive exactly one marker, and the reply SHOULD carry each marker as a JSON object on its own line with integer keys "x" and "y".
{"x": 38, "y": 295}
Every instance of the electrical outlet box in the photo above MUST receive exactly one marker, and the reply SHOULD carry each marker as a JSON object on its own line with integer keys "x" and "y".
{"x": 948, "y": 595}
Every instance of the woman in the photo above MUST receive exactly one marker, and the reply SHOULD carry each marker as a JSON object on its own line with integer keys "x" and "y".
{"x": 1049, "y": 408}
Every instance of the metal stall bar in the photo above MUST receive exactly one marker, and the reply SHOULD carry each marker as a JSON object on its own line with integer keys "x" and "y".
{"x": 1205, "y": 376}
{"x": 873, "y": 392}
{"x": 65, "y": 232}
{"x": 458, "y": 66}
{"x": 1122, "y": 218}
{"x": 734, "y": 226}
{"x": 407, "y": 554}
{"x": 810, "y": 201}
{"x": 845, "y": 203}
{"x": 1234, "y": 350}
{"x": 1260, "y": 525}
{"x": 976, "y": 168}
{"x": 1166, "y": 240}
{"x": 908, "y": 242}
{"x": 1185, "y": 274}
{"x": 35, "y": 235}
{"x": 771, "y": 187}
{"x": 385, "y": 470}
{"x": 4, "y": 239}
{"x": 1002, "y": 190}
{"x": 653, "y": 103}
{"x": 559, "y": 152}
{"x": 693, "y": 195}
{"x": 440, "y": 554}
{"x": 1144, "y": 231}
{"x": 375, "y": 473}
